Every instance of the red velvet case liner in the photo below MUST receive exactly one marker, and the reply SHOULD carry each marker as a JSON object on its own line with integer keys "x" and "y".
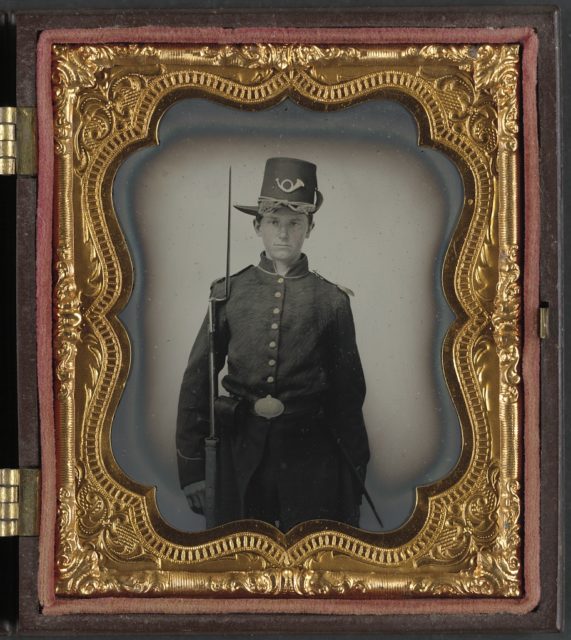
{"x": 530, "y": 357}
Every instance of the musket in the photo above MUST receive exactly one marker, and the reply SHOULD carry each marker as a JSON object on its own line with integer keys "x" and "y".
{"x": 211, "y": 442}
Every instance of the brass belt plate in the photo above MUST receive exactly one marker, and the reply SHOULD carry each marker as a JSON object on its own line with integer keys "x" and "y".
{"x": 269, "y": 407}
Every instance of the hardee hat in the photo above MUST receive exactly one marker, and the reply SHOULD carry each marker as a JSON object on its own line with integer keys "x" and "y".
{"x": 288, "y": 182}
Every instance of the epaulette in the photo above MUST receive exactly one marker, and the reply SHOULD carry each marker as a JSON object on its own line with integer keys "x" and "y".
{"x": 232, "y": 276}
{"x": 345, "y": 290}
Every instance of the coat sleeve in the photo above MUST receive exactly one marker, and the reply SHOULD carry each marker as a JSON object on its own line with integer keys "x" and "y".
{"x": 347, "y": 386}
{"x": 193, "y": 421}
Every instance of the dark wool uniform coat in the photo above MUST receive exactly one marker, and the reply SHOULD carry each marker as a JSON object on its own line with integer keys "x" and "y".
{"x": 291, "y": 337}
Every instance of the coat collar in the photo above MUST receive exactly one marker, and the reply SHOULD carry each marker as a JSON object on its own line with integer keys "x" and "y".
{"x": 299, "y": 269}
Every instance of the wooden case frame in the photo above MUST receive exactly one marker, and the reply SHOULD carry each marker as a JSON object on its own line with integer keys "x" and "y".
{"x": 367, "y": 610}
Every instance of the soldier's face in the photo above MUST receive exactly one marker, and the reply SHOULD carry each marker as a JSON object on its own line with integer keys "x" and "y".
{"x": 283, "y": 234}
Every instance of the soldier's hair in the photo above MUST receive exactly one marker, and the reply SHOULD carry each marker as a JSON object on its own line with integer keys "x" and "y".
{"x": 309, "y": 216}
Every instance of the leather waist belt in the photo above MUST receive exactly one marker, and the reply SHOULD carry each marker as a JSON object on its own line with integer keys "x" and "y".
{"x": 270, "y": 407}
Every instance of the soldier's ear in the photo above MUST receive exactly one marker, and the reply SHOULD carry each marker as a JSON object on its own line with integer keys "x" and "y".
{"x": 309, "y": 229}
{"x": 256, "y": 224}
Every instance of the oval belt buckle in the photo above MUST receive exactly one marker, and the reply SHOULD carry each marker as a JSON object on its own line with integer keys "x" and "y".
{"x": 269, "y": 407}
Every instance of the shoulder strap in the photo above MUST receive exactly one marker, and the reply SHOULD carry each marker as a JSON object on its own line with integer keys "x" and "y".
{"x": 218, "y": 280}
{"x": 345, "y": 290}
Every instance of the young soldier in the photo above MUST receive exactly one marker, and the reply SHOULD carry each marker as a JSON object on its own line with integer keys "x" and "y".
{"x": 297, "y": 445}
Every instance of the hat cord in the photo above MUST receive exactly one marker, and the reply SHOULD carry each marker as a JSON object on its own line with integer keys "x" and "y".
{"x": 270, "y": 205}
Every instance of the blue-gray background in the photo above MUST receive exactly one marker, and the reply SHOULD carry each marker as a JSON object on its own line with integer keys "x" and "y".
{"x": 389, "y": 211}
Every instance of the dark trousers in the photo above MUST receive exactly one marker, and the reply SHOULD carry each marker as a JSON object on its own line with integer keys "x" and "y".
{"x": 290, "y": 470}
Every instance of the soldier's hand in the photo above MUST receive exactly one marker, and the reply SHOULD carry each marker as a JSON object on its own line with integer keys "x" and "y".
{"x": 195, "y": 495}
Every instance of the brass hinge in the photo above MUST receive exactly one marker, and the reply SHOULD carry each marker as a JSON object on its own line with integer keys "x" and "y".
{"x": 19, "y": 502}
{"x": 18, "y": 146}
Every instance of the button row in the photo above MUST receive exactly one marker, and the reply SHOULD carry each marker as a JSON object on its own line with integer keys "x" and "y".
{"x": 275, "y": 325}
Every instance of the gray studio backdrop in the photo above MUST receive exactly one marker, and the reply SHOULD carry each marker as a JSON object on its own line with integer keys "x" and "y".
{"x": 389, "y": 211}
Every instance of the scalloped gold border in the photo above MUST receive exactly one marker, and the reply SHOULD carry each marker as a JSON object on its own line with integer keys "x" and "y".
{"x": 463, "y": 538}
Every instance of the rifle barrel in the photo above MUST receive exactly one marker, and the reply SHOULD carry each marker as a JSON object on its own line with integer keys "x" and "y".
{"x": 211, "y": 443}
{"x": 227, "y": 294}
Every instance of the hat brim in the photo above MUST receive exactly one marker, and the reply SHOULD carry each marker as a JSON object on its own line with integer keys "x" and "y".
{"x": 251, "y": 211}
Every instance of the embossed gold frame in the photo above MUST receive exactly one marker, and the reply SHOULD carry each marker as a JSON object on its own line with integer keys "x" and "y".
{"x": 464, "y": 537}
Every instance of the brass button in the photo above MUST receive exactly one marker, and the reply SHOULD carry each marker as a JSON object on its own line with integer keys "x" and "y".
{"x": 272, "y": 363}
{"x": 276, "y": 310}
{"x": 274, "y": 325}
{"x": 278, "y": 294}
{"x": 273, "y": 344}
{"x": 280, "y": 280}
{"x": 270, "y": 378}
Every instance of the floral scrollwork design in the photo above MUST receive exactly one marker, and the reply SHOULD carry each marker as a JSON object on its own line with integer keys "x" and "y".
{"x": 484, "y": 359}
{"x": 105, "y": 522}
{"x": 469, "y": 526}
{"x": 493, "y": 570}
{"x": 263, "y": 583}
{"x": 486, "y": 271}
{"x": 111, "y": 110}
{"x": 95, "y": 534}
{"x": 505, "y": 320}
{"x": 463, "y": 55}
{"x": 68, "y": 321}
{"x": 482, "y": 578}
{"x": 93, "y": 576}
{"x": 496, "y": 73}
{"x": 276, "y": 57}
{"x": 69, "y": 547}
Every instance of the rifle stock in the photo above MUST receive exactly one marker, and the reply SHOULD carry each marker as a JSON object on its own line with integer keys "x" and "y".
{"x": 211, "y": 443}
{"x": 210, "y": 459}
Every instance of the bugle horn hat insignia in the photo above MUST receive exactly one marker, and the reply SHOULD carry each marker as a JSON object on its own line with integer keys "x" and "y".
{"x": 290, "y": 183}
